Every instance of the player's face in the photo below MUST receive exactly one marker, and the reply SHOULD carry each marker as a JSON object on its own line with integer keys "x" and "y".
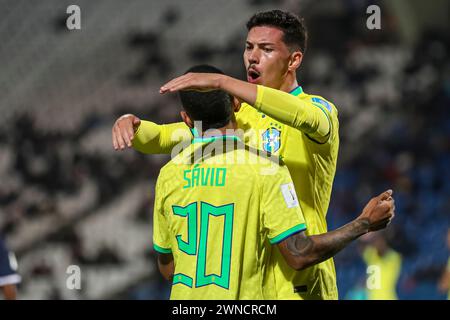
{"x": 266, "y": 57}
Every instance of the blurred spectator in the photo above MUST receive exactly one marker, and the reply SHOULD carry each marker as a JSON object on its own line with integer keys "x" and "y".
{"x": 383, "y": 268}
{"x": 8, "y": 273}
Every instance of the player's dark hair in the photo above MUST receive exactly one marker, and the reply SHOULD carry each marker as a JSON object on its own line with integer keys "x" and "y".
{"x": 293, "y": 27}
{"x": 213, "y": 108}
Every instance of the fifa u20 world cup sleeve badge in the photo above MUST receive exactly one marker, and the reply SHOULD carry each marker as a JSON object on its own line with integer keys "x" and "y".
{"x": 289, "y": 195}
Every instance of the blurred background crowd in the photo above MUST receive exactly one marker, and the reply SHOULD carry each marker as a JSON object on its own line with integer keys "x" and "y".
{"x": 67, "y": 198}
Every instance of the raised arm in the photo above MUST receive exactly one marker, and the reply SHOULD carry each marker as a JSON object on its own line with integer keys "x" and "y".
{"x": 300, "y": 114}
{"x": 146, "y": 136}
{"x": 279, "y": 105}
{"x": 301, "y": 251}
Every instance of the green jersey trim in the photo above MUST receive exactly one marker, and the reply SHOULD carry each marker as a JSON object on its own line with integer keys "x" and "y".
{"x": 288, "y": 233}
{"x": 161, "y": 250}
{"x": 297, "y": 91}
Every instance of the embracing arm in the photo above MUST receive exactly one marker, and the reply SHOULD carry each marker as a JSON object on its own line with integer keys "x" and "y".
{"x": 160, "y": 138}
{"x": 293, "y": 112}
{"x": 277, "y": 104}
{"x": 281, "y": 106}
{"x": 301, "y": 251}
{"x": 146, "y": 136}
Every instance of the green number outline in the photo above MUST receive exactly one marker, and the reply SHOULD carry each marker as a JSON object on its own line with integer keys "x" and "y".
{"x": 190, "y": 247}
{"x": 189, "y": 211}
{"x": 202, "y": 279}
{"x": 183, "y": 279}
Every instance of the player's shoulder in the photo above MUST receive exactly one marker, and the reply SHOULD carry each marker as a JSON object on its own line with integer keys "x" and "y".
{"x": 319, "y": 101}
{"x": 248, "y": 113}
{"x": 166, "y": 168}
{"x": 172, "y": 166}
{"x": 171, "y": 163}
{"x": 245, "y": 107}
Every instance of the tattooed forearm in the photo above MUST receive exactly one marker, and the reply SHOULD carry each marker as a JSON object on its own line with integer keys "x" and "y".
{"x": 299, "y": 245}
{"x": 309, "y": 250}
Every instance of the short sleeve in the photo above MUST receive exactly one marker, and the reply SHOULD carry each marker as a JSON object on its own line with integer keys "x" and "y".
{"x": 282, "y": 215}
{"x": 161, "y": 238}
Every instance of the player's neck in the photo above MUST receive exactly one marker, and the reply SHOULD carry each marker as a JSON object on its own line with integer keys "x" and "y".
{"x": 289, "y": 84}
{"x": 226, "y": 130}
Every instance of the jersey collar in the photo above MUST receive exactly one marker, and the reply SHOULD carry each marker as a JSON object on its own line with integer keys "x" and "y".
{"x": 297, "y": 91}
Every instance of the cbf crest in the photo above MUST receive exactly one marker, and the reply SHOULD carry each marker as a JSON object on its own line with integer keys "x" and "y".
{"x": 271, "y": 140}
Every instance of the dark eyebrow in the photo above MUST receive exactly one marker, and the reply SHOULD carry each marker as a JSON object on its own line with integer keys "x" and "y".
{"x": 261, "y": 43}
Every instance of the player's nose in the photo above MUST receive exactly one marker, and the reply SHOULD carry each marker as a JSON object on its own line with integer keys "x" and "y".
{"x": 253, "y": 57}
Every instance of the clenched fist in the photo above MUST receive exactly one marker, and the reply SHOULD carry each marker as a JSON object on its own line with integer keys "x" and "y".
{"x": 379, "y": 212}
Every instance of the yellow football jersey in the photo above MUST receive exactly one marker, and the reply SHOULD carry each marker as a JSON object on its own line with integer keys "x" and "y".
{"x": 219, "y": 209}
{"x": 311, "y": 163}
{"x": 312, "y": 166}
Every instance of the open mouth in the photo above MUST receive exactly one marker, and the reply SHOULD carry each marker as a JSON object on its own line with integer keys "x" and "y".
{"x": 253, "y": 75}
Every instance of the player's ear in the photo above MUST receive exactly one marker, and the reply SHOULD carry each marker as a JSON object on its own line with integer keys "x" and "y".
{"x": 295, "y": 60}
{"x": 186, "y": 119}
{"x": 236, "y": 104}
